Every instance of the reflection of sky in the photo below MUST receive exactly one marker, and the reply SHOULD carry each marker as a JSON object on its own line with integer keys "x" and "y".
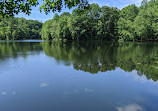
{"x": 136, "y": 77}
{"x": 38, "y": 82}
{"x": 44, "y": 84}
{"x": 130, "y": 107}
{"x": 36, "y": 15}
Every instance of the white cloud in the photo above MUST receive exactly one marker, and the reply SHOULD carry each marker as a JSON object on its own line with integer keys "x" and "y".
{"x": 3, "y": 93}
{"x": 130, "y": 107}
{"x": 44, "y": 84}
{"x": 13, "y": 92}
{"x": 88, "y": 90}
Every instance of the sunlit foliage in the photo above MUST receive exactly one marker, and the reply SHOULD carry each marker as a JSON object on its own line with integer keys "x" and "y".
{"x": 19, "y": 28}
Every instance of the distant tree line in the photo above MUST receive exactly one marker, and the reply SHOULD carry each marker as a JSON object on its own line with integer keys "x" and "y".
{"x": 19, "y": 28}
{"x": 105, "y": 23}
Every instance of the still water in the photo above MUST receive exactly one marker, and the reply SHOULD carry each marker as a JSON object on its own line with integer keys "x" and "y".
{"x": 86, "y": 76}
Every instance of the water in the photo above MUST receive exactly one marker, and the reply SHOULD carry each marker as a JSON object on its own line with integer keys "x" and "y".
{"x": 86, "y": 76}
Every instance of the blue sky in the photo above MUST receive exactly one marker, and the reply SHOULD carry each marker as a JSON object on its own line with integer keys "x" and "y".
{"x": 36, "y": 15}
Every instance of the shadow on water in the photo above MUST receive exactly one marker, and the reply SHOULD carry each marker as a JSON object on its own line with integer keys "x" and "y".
{"x": 92, "y": 57}
{"x": 97, "y": 57}
{"x": 18, "y": 49}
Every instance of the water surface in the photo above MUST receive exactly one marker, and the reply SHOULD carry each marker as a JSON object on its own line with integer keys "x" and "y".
{"x": 86, "y": 76}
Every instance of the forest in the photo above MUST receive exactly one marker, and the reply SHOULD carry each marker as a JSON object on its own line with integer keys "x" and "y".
{"x": 131, "y": 23}
{"x": 12, "y": 28}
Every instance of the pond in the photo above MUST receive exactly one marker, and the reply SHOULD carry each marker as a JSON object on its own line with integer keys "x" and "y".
{"x": 78, "y": 76}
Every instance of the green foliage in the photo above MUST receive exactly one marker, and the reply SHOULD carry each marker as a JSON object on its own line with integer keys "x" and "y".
{"x": 18, "y": 34}
{"x": 19, "y": 28}
{"x": 132, "y": 23}
{"x": 130, "y": 12}
{"x": 64, "y": 31}
{"x": 146, "y": 22}
{"x": 12, "y": 7}
{"x": 125, "y": 22}
{"x": 87, "y": 22}
{"x": 79, "y": 25}
{"x": 139, "y": 23}
{"x": 94, "y": 23}
{"x": 46, "y": 31}
{"x": 126, "y": 29}
{"x": 56, "y": 5}
{"x": 108, "y": 23}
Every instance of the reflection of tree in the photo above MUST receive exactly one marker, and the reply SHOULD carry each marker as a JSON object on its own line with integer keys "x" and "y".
{"x": 98, "y": 56}
{"x": 15, "y": 49}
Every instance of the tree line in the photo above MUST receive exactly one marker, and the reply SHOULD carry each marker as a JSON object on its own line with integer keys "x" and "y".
{"x": 12, "y": 28}
{"x": 131, "y": 23}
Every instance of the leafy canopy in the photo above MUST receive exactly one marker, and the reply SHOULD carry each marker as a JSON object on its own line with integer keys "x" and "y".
{"x": 12, "y": 7}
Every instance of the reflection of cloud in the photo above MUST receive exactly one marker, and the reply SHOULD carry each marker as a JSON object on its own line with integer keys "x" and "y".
{"x": 44, "y": 84}
{"x": 142, "y": 78}
{"x": 71, "y": 92}
{"x": 76, "y": 90}
{"x": 13, "y": 92}
{"x": 88, "y": 90}
{"x": 67, "y": 93}
{"x": 3, "y": 93}
{"x": 130, "y": 107}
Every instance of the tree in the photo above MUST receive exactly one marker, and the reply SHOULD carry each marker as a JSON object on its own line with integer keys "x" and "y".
{"x": 108, "y": 23}
{"x": 146, "y": 21}
{"x": 46, "y": 35}
{"x": 94, "y": 15}
{"x": 30, "y": 29}
{"x": 64, "y": 32}
{"x": 19, "y": 34}
{"x": 105, "y": 23}
{"x": 125, "y": 23}
{"x": 125, "y": 29}
{"x": 12, "y": 7}
{"x": 79, "y": 25}
{"x": 54, "y": 29}
{"x": 130, "y": 12}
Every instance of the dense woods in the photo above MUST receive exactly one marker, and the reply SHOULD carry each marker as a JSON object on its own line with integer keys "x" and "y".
{"x": 19, "y": 28}
{"x": 131, "y": 23}
{"x": 105, "y": 23}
